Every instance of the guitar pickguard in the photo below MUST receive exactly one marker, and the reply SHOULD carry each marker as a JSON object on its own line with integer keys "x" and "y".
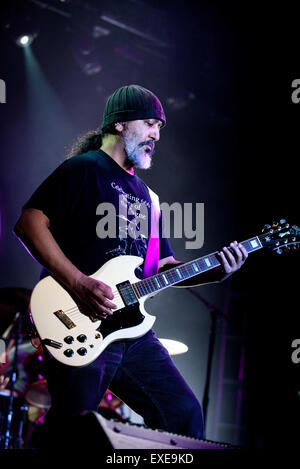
{"x": 121, "y": 319}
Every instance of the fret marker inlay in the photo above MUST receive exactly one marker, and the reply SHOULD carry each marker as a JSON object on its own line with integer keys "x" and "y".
{"x": 179, "y": 273}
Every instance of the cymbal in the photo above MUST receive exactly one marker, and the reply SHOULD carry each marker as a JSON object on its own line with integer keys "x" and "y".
{"x": 38, "y": 395}
{"x": 174, "y": 347}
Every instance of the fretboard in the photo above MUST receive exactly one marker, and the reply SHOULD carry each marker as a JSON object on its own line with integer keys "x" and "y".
{"x": 190, "y": 269}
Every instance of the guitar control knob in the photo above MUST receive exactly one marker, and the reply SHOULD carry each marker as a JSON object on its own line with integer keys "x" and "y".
{"x": 81, "y": 338}
{"x": 82, "y": 351}
{"x": 69, "y": 352}
{"x": 69, "y": 339}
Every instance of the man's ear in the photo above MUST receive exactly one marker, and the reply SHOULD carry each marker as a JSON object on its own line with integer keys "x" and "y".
{"x": 119, "y": 126}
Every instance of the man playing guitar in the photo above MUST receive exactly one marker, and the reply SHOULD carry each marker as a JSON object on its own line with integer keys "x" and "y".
{"x": 58, "y": 227}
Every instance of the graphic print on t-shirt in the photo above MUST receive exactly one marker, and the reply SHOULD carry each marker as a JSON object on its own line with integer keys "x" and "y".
{"x": 133, "y": 225}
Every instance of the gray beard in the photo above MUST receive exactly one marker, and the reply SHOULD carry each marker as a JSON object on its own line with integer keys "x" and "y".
{"x": 136, "y": 155}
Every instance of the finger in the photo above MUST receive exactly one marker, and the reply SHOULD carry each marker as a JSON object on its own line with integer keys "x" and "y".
{"x": 108, "y": 304}
{"x": 105, "y": 313}
{"x": 93, "y": 309}
{"x": 244, "y": 251}
{"x": 240, "y": 252}
{"x": 101, "y": 297}
{"x": 106, "y": 290}
{"x": 101, "y": 308}
{"x": 229, "y": 257}
{"x": 224, "y": 262}
{"x": 237, "y": 252}
{"x": 102, "y": 300}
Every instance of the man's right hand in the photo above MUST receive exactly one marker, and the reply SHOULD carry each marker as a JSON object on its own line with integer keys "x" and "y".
{"x": 95, "y": 295}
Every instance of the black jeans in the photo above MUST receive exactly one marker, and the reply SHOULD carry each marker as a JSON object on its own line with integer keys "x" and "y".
{"x": 141, "y": 373}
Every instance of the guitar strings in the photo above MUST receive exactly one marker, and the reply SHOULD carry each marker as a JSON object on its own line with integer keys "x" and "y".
{"x": 77, "y": 314}
{"x": 76, "y": 307}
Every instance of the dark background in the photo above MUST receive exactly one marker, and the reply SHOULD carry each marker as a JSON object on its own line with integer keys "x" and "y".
{"x": 223, "y": 73}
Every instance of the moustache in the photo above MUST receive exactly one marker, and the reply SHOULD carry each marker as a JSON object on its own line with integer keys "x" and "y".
{"x": 148, "y": 143}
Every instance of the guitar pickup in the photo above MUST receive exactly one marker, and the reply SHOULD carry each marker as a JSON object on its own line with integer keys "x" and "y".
{"x": 127, "y": 293}
{"x": 64, "y": 319}
{"x": 52, "y": 343}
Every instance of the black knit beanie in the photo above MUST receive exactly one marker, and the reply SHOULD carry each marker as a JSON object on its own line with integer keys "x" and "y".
{"x": 132, "y": 102}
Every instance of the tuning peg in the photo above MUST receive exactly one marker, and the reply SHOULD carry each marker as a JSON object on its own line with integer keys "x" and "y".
{"x": 266, "y": 227}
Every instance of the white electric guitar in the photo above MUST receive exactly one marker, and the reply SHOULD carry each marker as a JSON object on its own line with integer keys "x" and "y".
{"x": 75, "y": 339}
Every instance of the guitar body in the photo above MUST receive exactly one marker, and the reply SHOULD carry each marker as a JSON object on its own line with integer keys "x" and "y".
{"x": 71, "y": 336}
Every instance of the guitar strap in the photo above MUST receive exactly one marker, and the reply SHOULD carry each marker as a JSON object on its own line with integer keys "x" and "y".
{"x": 152, "y": 255}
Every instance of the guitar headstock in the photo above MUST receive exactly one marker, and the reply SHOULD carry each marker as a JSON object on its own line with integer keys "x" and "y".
{"x": 281, "y": 237}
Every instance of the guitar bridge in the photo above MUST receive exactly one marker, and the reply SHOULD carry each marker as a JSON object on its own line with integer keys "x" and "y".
{"x": 64, "y": 319}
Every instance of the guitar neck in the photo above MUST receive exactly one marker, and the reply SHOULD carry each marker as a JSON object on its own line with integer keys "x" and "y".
{"x": 188, "y": 270}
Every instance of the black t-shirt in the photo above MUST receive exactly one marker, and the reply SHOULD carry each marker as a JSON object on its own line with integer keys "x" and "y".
{"x": 73, "y": 199}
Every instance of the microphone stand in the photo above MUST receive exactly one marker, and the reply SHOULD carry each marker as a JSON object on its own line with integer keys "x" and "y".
{"x": 13, "y": 378}
{"x": 214, "y": 314}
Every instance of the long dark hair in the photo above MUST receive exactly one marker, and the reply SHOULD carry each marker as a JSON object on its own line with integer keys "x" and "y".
{"x": 91, "y": 140}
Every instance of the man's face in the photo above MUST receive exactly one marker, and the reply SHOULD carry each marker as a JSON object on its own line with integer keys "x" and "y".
{"x": 139, "y": 141}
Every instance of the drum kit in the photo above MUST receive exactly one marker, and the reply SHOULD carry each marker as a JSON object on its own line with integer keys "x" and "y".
{"x": 24, "y": 396}
{"x": 24, "y": 400}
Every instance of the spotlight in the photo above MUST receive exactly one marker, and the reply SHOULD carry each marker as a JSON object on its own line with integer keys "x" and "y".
{"x": 25, "y": 40}
{"x": 22, "y": 23}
